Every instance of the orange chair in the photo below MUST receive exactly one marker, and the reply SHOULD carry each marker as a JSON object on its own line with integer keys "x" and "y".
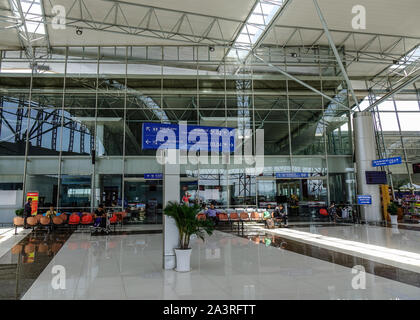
{"x": 43, "y": 248}
{"x": 74, "y": 220}
{"x": 17, "y": 249}
{"x": 244, "y": 216}
{"x": 45, "y": 222}
{"x": 223, "y": 217}
{"x": 63, "y": 217}
{"x": 18, "y": 222}
{"x": 255, "y": 216}
{"x": 31, "y": 222}
{"x": 57, "y": 221}
{"x": 38, "y": 217}
{"x": 234, "y": 217}
{"x": 201, "y": 216}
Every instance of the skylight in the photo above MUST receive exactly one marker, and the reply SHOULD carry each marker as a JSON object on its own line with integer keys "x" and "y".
{"x": 410, "y": 58}
{"x": 258, "y": 21}
{"x": 29, "y": 12}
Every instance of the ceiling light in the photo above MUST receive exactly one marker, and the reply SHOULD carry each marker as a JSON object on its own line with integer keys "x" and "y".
{"x": 79, "y": 31}
{"x": 294, "y": 55}
{"x": 211, "y": 48}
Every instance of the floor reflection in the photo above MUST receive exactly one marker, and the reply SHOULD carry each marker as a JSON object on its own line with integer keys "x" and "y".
{"x": 346, "y": 260}
{"x": 25, "y": 261}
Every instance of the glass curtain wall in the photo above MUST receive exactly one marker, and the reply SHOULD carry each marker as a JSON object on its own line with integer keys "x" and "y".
{"x": 77, "y": 128}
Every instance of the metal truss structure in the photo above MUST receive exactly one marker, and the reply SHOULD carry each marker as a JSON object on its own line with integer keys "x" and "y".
{"x": 30, "y": 22}
{"x": 43, "y": 119}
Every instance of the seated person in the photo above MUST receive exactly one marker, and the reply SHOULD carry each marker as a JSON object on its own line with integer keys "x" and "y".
{"x": 51, "y": 212}
{"x": 211, "y": 213}
{"x": 100, "y": 211}
{"x": 280, "y": 215}
{"x": 267, "y": 215}
{"x": 100, "y": 214}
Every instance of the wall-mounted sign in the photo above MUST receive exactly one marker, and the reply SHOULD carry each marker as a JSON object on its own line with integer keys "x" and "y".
{"x": 34, "y": 206}
{"x": 386, "y": 162}
{"x": 153, "y": 176}
{"x": 364, "y": 200}
{"x": 181, "y": 137}
{"x": 376, "y": 177}
{"x": 292, "y": 175}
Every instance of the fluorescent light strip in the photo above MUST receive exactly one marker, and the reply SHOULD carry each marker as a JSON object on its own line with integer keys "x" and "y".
{"x": 399, "y": 258}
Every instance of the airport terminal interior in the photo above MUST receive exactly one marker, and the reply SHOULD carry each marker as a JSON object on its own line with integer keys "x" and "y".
{"x": 294, "y": 126}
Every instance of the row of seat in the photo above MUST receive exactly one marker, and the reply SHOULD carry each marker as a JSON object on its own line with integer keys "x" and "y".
{"x": 235, "y": 217}
{"x": 74, "y": 219}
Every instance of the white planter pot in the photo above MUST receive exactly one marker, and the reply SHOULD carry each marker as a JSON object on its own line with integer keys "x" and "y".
{"x": 183, "y": 260}
{"x": 394, "y": 219}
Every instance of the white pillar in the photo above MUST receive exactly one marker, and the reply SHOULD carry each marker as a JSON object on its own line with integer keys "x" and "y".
{"x": 365, "y": 145}
{"x": 100, "y": 147}
{"x": 171, "y": 192}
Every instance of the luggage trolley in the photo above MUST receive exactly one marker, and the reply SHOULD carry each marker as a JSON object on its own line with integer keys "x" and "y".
{"x": 102, "y": 224}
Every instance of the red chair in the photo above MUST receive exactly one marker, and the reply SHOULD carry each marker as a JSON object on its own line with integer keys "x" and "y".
{"x": 201, "y": 216}
{"x": 323, "y": 212}
{"x": 87, "y": 219}
{"x": 113, "y": 220}
{"x": 74, "y": 220}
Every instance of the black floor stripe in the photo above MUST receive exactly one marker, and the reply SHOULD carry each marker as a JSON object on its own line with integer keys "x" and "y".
{"x": 22, "y": 265}
{"x": 346, "y": 260}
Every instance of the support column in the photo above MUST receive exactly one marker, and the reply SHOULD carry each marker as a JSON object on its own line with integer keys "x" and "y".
{"x": 171, "y": 192}
{"x": 365, "y": 148}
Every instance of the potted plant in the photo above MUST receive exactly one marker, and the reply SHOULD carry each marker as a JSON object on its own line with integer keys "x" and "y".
{"x": 19, "y": 212}
{"x": 185, "y": 217}
{"x": 393, "y": 212}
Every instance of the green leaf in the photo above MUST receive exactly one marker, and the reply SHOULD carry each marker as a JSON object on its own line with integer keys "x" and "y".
{"x": 187, "y": 223}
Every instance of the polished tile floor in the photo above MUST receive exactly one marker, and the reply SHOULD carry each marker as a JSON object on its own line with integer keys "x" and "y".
{"x": 225, "y": 266}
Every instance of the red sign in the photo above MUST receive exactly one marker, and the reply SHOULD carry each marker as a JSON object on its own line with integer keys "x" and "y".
{"x": 34, "y": 196}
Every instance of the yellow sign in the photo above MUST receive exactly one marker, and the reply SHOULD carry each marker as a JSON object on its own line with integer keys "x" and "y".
{"x": 386, "y": 199}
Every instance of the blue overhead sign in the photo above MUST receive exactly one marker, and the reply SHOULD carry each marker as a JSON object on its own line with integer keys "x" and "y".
{"x": 183, "y": 137}
{"x": 292, "y": 175}
{"x": 363, "y": 200}
{"x": 386, "y": 162}
{"x": 153, "y": 176}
